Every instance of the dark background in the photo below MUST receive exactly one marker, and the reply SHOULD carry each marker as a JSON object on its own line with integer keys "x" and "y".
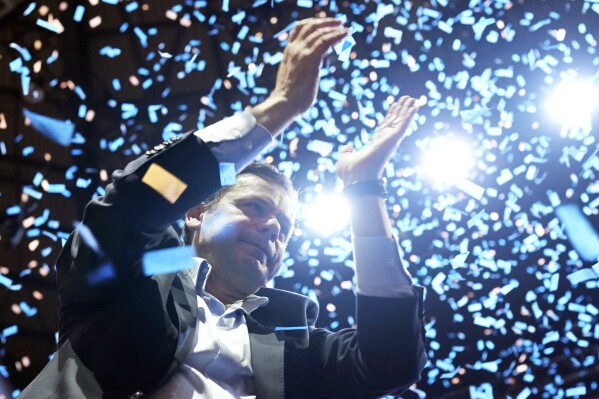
{"x": 497, "y": 327}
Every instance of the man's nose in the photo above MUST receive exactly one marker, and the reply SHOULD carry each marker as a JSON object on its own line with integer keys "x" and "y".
{"x": 271, "y": 228}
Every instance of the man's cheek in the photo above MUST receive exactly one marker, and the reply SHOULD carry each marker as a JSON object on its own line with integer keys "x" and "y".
{"x": 219, "y": 228}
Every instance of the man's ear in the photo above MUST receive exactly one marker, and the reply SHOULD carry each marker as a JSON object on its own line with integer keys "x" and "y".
{"x": 194, "y": 216}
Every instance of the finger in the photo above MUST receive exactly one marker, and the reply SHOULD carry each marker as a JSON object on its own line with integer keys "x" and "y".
{"x": 403, "y": 99}
{"x": 389, "y": 117}
{"x": 305, "y": 27}
{"x": 404, "y": 105}
{"x": 327, "y": 40}
{"x": 403, "y": 121}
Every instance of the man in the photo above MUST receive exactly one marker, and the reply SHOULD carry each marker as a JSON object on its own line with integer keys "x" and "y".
{"x": 212, "y": 331}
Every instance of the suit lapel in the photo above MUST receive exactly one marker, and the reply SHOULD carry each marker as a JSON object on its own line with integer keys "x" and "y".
{"x": 180, "y": 286}
{"x": 186, "y": 304}
{"x": 267, "y": 364}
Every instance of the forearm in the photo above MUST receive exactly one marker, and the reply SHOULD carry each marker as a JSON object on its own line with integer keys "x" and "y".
{"x": 379, "y": 267}
{"x": 275, "y": 113}
{"x": 368, "y": 215}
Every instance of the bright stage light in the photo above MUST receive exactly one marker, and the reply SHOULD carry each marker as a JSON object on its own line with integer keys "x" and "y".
{"x": 328, "y": 213}
{"x": 573, "y": 103}
{"x": 447, "y": 160}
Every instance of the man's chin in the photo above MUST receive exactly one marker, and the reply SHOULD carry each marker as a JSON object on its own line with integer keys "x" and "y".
{"x": 257, "y": 271}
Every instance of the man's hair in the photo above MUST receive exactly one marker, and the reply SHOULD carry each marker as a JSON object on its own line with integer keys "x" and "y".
{"x": 260, "y": 169}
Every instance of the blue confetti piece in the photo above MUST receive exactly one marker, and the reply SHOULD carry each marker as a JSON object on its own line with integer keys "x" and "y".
{"x": 32, "y": 193}
{"x": 13, "y": 210}
{"x": 56, "y": 130}
{"x": 143, "y": 38}
{"x": 553, "y": 284}
{"x": 576, "y": 391}
{"x": 58, "y": 188}
{"x": 539, "y": 25}
{"x": 25, "y": 83}
{"x": 79, "y": 11}
{"x": 582, "y": 275}
{"x": 28, "y": 151}
{"x": 89, "y": 239}
{"x": 504, "y": 176}
{"x": 291, "y": 328}
{"x": 470, "y": 188}
{"x": 484, "y": 391}
{"x": 274, "y": 58}
{"x": 321, "y": 147}
{"x": 343, "y": 48}
{"x": 480, "y": 26}
{"x": 437, "y": 283}
{"x": 23, "y": 51}
{"x": 459, "y": 260}
{"x": 169, "y": 260}
{"x": 130, "y": 7}
{"x": 104, "y": 273}
{"x": 16, "y": 65}
{"x": 47, "y": 25}
{"x": 29, "y": 311}
{"x": 30, "y": 8}
{"x": 5, "y": 281}
{"x": 110, "y": 52}
{"x": 238, "y": 17}
{"x": 582, "y": 235}
{"x": 227, "y": 174}
{"x": 8, "y": 331}
{"x": 393, "y": 33}
{"x": 474, "y": 115}
{"x": 475, "y": 219}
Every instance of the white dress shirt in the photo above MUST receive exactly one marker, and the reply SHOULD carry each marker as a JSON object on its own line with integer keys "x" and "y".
{"x": 219, "y": 365}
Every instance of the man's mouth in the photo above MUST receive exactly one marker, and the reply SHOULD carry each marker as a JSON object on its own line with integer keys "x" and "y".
{"x": 265, "y": 252}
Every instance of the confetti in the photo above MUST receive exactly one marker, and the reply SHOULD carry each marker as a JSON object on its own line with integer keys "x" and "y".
{"x": 291, "y": 328}
{"x": 169, "y": 260}
{"x": 459, "y": 260}
{"x": 581, "y": 233}
{"x": 507, "y": 254}
{"x": 164, "y": 183}
{"x": 56, "y": 130}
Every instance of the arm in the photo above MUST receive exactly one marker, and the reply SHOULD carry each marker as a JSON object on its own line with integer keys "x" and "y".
{"x": 385, "y": 354}
{"x": 156, "y": 189}
{"x": 298, "y": 75}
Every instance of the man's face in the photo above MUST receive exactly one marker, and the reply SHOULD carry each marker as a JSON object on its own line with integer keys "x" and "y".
{"x": 244, "y": 235}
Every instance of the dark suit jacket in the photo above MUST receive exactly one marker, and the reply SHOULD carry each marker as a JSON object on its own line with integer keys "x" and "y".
{"x": 124, "y": 336}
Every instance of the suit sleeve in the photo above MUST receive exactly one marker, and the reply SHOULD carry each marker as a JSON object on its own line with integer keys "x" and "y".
{"x": 142, "y": 201}
{"x": 385, "y": 354}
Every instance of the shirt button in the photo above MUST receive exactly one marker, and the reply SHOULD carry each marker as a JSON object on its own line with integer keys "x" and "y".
{"x": 236, "y": 133}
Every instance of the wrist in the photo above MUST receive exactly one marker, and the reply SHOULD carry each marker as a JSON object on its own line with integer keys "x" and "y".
{"x": 275, "y": 113}
{"x": 367, "y": 188}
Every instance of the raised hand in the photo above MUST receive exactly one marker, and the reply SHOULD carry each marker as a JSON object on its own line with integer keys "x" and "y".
{"x": 299, "y": 72}
{"x": 370, "y": 161}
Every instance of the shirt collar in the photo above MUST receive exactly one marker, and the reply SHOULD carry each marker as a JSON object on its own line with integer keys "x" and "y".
{"x": 199, "y": 274}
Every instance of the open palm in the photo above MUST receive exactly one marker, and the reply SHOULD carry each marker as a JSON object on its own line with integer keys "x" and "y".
{"x": 370, "y": 161}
